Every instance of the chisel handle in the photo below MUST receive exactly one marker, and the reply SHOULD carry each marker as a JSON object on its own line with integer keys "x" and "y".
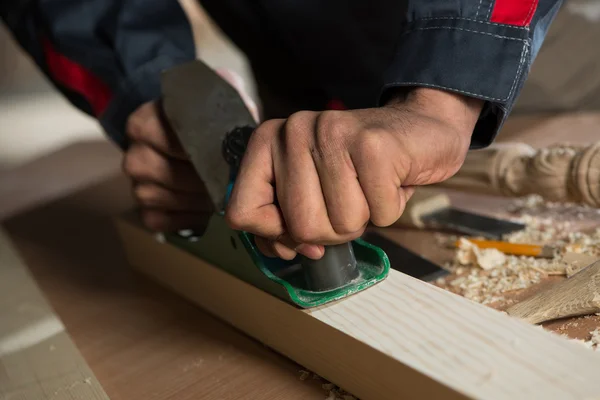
{"x": 423, "y": 202}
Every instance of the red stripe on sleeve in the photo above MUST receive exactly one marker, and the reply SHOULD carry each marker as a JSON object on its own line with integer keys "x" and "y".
{"x": 514, "y": 12}
{"x": 77, "y": 78}
{"x": 335, "y": 104}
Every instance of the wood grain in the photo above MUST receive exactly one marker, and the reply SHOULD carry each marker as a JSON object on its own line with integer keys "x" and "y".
{"x": 144, "y": 342}
{"x": 140, "y": 340}
{"x": 400, "y": 339}
{"x": 578, "y": 295}
{"x": 38, "y": 360}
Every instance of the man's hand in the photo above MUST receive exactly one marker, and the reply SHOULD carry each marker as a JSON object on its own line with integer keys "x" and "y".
{"x": 165, "y": 185}
{"x": 332, "y": 172}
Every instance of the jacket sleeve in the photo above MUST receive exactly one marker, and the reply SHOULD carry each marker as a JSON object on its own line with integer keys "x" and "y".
{"x": 480, "y": 48}
{"x": 105, "y": 56}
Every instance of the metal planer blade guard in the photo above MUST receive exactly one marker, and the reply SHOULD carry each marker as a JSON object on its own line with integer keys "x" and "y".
{"x": 235, "y": 253}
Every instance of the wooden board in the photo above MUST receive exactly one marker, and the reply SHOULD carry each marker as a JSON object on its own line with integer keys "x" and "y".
{"x": 140, "y": 340}
{"x": 400, "y": 339}
{"x": 38, "y": 360}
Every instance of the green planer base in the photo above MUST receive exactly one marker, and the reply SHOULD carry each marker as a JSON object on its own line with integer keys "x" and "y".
{"x": 235, "y": 253}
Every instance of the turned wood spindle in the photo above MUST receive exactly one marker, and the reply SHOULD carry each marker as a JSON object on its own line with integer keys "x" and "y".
{"x": 562, "y": 173}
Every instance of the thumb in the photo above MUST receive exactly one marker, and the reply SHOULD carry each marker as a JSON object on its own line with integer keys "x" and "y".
{"x": 235, "y": 80}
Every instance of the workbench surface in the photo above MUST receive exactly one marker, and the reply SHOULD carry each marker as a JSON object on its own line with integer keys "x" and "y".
{"x": 140, "y": 340}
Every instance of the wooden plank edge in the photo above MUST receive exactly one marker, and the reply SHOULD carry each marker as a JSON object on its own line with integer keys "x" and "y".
{"x": 402, "y": 338}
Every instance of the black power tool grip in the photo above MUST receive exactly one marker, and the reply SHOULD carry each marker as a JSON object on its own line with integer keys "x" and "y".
{"x": 335, "y": 269}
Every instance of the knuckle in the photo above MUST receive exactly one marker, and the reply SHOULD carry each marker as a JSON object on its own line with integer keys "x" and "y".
{"x": 299, "y": 121}
{"x": 384, "y": 219}
{"x": 304, "y": 233}
{"x": 387, "y": 213}
{"x": 152, "y": 130}
{"x": 236, "y": 219}
{"x": 265, "y": 132}
{"x": 267, "y": 127}
{"x": 350, "y": 225}
{"x": 136, "y": 121}
{"x": 331, "y": 130}
{"x": 131, "y": 161}
{"x": 143, "y": 161}
{"x": 330, "y": 121}
{"x": 133, "y": 126}
{"x": 297, "y": 130}
{"x": 372, "y": 142}
{"x": 148, "y": 194}
{"x": 356, "y": 234}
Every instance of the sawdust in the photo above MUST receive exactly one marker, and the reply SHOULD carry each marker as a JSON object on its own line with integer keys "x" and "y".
{"x": 513, "y": 279}
{"x": 487, "y": 277}
{"x": 332, "y": 391}
{"x": 488, "y": 286}
{"x": 68, "y": 388}
{"x": 304, "y": 375}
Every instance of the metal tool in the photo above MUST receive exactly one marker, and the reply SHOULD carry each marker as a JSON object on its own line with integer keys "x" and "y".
{"x": 432, "y": 209}
{"x": 471, "y": 224}
{"x": 213, "y": 125}
{"x": 406, "y": 261}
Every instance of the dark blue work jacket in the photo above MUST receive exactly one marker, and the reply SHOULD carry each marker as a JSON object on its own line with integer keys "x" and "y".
{"x": 106, "y": 55}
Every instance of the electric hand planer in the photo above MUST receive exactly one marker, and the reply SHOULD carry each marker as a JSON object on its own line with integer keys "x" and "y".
{"x": 214, "y": 126}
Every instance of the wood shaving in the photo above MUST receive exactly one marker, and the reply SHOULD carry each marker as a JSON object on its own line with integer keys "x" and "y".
{"x": 304, "y": 375}
{"x": 487, "y": 286}
{"x": 333, "y": 392}
{"x": 535, "y": 206}
{"x": 487, "y": 278}
{"x": 468, "y": 253}
{"x": 339, "y": 394}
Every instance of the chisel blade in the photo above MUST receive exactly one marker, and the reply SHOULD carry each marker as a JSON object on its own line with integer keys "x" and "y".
{"x": 471, "y": 224}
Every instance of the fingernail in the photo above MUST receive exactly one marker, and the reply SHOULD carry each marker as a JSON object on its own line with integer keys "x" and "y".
{"x": 311, "y": 251}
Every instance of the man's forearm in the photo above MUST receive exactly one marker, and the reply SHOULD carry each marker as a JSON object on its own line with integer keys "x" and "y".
{"x": 458, "y": 110}
{"x": 106, "y": 57}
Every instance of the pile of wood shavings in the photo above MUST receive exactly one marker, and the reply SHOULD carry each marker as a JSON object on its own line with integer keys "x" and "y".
{"x": 487, "y": 286}
{"x": 486, "y": 277}
{"x": 333, "y": 392}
